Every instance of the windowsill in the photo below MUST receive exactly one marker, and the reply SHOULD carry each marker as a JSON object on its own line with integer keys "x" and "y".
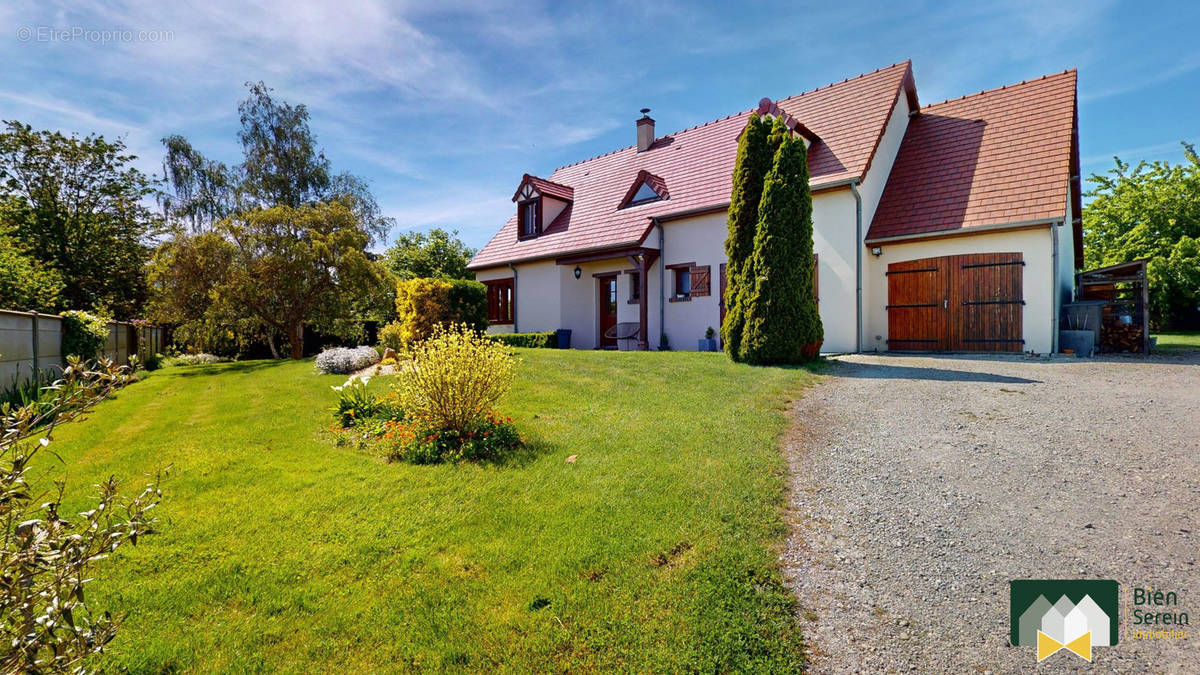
{"x": 523, "y": 237}
{"x": 635, "y": 301}
{"x": 680, "y": 298}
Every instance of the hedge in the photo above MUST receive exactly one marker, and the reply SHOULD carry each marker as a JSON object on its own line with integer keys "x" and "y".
{"x": 422, "y": 304}
{"x": 547, "y": 340}
{"x": 84, "y": 334}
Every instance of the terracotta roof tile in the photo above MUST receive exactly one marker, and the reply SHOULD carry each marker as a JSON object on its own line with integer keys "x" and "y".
{"x": 999, "y": 156}
{"x": 697, "y": 164}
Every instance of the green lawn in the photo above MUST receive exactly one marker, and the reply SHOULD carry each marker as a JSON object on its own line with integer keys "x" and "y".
{"x": 657, "y": 550}
{"x": 1178, "y": 341}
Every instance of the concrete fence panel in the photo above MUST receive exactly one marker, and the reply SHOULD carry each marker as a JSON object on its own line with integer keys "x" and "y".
{"x": 30, "y": 342}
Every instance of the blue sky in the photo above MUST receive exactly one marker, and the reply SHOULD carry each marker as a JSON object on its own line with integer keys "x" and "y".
{"x": 442, "y": 106}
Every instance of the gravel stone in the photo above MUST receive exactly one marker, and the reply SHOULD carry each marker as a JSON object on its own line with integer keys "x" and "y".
{"x": 920, "y": 486}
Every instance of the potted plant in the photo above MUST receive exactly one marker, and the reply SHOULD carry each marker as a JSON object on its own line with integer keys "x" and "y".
{"x": 1078, "y": 337}
{"x": 709, "y": 342}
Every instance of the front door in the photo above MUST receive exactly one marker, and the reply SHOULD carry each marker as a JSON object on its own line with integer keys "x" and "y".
{"x": 608, "y": 310}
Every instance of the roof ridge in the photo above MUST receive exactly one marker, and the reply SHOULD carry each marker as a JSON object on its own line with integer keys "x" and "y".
{"x": 741, "y": 112}
{"x": 848, "y": 79}
{"x": 1002, "y": 87}
{"x": 673, "y": 133}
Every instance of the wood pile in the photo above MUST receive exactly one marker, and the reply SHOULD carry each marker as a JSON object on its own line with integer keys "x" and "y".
{"x": 1116, "y": 336}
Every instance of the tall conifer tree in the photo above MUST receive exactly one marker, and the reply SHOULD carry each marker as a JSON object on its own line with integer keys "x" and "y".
{"x": 754, "y": 158}
{"x": 780, "y": 311}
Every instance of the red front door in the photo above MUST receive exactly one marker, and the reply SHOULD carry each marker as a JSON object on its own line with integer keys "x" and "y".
{"x": 608, "y": 309}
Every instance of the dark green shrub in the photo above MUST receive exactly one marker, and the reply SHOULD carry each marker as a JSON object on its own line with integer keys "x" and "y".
{"x": 467, "y": 301}
{"x": 84, "y": 334}
{"x": 780, "y": 313}
{"x": 547, "y": 340}
{"x": 754, "y": 156}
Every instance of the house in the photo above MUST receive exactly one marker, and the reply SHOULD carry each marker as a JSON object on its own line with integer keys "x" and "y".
{"x": 953, "y": 226}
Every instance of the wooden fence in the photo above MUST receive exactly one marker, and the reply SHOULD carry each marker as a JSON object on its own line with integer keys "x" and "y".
{"x": 32, "y": 342}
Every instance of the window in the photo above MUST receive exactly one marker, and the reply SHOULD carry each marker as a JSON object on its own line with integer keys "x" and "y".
{"x": 635, "y": 287}
{"x": 683, "y": 282}
{"x": 529, "y": 216}
{"x": 501, "y": 302}
{"x": 644, "y": 194}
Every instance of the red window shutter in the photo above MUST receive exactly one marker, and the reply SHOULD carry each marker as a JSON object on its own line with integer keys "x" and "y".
{"x": 701, "y": 280}
{"x": 816, "y": 280}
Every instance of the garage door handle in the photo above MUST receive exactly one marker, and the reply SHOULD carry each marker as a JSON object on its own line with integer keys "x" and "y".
{"x": 945, "y": 304}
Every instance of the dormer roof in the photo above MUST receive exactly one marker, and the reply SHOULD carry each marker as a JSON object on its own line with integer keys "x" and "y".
{"x": 546, "y": 188}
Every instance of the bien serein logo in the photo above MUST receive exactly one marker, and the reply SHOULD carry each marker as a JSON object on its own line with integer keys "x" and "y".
{"x": 1064, "y": 614}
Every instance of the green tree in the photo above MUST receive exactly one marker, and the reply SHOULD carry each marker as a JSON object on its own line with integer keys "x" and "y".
{"x": 781, "y": 313}
{"x": 293, "y": 266}
{"x": 282, "y": 165}
{"x": 25, "y": 283}
{"x": 437, "y": 254}
{"x": 1147, "y": 211}
{"x": 754, "y": 156}
{"x": 76, "y": 205}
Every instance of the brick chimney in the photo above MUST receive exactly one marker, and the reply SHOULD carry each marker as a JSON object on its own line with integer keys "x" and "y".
{"x": 645, "y": 131}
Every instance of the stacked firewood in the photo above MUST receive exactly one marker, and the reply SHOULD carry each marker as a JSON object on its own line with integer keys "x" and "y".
{"x": 1118, "y": 336}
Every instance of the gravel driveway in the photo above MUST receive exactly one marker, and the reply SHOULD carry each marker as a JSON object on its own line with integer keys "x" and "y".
{"x": 922, "y": 485}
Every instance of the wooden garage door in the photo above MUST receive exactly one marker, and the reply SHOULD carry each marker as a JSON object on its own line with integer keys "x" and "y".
{"x": 956, "y": 303}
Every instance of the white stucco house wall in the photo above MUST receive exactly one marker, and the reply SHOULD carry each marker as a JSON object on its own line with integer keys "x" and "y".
{"x": 953, "y": 226}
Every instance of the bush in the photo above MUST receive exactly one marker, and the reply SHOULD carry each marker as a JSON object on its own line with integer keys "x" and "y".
{"x": 346, "y": 360}
{"x": 84, "y": 334}
{"x": 46, "y": 562}
{"x": 455, "y": 379}
{"x": 489, "y": 438}
{"x": 547, "y": 340}
{"x": 193, "y": 360}
{"x": 390, "y": 336}
{"x": 423, "y": 304}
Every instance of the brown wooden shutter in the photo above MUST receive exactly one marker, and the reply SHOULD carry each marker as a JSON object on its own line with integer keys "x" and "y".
{"x": 701, "y": 280}
{"x": 816, "y": 280}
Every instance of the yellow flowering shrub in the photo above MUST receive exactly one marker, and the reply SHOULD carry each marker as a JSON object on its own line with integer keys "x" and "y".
{"x": 454, "y": 378}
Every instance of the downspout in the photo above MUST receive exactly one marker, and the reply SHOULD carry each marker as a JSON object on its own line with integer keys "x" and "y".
{"x": 858, "y": 274}
{"x": 514, "y": 271}
{"x": 662, "y": 289}
{"x": 1057, "y": 294}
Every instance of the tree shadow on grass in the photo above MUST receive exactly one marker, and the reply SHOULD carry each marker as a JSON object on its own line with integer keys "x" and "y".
{"x": 220, "y": 368}
{"x": 528, "y": 453}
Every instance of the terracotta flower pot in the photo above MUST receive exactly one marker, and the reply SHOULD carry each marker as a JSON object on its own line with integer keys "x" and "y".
{"x": 811, "y": 350}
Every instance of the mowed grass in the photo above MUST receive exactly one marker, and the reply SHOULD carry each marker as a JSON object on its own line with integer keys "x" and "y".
{"x": 656, "y": 550}
{"x": 1178, "y": 341}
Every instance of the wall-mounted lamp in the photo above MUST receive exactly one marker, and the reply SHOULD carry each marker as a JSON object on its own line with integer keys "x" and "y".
{"x": 876, "y": 251}
{"x": 578, "y": 272}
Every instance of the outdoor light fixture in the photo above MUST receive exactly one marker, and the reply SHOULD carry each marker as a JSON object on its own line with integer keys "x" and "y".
{"x": 578, "y": 272}
{"x": 876, "y": 251}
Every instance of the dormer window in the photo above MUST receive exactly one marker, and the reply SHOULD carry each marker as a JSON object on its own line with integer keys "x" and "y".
{"x": 528, "y": 214}
{"x": 646, "y": 188}
{"x": 539, "y": 202}
{"x": 644, "y": 194}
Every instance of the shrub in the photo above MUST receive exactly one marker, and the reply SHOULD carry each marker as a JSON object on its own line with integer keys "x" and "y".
{"x": 193, "y": 360}
{"x": 488, "y": 438}
{"x": 346, "y": 360}
{"x": 84, "y": 334}
{"x": 423, "y": 304}
{"x": 390, "y": 336}
{"x": 455, "y": 377}
{"x": 46, "y": 562}
{"x": 548, "y": 340}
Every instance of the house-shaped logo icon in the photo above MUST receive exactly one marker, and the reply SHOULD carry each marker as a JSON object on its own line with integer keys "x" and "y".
{"x": 1083, "y": 615}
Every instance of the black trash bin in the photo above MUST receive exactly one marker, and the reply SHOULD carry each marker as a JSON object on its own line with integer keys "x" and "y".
{"x": 564, "y": 338}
